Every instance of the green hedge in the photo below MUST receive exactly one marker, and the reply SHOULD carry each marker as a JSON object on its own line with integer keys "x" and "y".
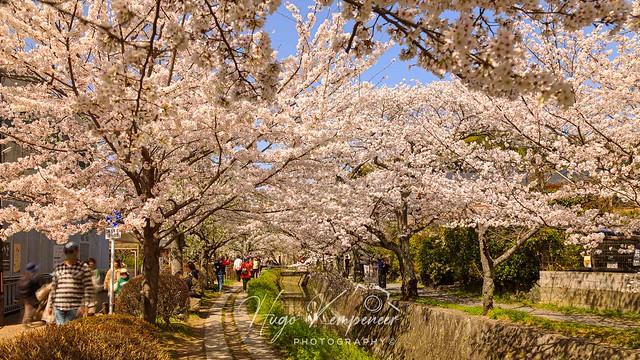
{"x": 105, "y": 337}
{"x": 265, "y": 288}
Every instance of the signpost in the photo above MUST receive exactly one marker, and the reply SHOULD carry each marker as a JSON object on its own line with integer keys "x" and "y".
{"x": 112, "y": 233}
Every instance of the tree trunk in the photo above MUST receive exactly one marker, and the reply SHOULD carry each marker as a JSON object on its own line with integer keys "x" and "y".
{"x": 409, "y": 279}
{"x": 177, "y": 258}
{"x": 488, "y": 271}
{"x": 355, "y": 263}
{"x": 488, "y": 288}
{"x": 1, "y": 284}
{"x": 405, "y": 262}
{"x": 151, "y": 273}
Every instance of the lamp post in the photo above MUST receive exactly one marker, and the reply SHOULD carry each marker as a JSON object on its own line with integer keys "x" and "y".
{"x": 112, "y": 233}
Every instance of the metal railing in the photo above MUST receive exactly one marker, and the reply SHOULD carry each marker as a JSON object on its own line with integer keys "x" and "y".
{"x": 11, "y": 298}
{"x": 12, "y": 301}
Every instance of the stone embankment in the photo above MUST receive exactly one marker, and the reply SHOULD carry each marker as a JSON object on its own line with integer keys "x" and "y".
{"x": 422, "y": 332}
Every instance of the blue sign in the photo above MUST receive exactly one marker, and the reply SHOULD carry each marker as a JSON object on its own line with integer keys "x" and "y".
{"x": 114, "y": 220}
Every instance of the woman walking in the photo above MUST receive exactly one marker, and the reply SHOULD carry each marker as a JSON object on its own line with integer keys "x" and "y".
{"x": 245, "y": 272}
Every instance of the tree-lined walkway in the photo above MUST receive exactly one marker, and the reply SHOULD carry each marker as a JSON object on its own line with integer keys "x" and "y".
{"x": 229, "y": 333}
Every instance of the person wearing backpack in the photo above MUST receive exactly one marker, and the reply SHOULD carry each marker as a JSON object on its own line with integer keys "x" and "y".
{"x": 220, "y": 267}
{"x": 245, "y": 272}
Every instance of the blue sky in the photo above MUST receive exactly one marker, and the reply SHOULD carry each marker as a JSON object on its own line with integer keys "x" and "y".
{"x": 388, "y": 71}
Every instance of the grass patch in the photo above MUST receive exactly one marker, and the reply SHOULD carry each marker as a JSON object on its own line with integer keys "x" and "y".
{"x": 629, "y": 338}
{"x": 471, "y": 310}
{"x": 571, "y": 310}
{"x": 178, "y": 326}
{"x": 265, "y": 288}
{"x": 566, "y": 310}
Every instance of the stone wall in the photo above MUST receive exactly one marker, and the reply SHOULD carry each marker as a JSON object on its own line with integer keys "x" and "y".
{"x": 604, "y": 290}
{"x": 423, "y": 332}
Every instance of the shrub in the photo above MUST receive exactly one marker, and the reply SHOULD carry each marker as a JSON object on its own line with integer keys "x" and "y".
{"x": 545, "y": 250}
{"x": 450, "y": 256}
{"x": 105, "y": 337}
{"x": 453, "y": 256}
{"x": 173, "y": 297}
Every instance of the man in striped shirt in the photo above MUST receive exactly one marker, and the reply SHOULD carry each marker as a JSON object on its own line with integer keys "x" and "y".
{"x": 71, "y": 288}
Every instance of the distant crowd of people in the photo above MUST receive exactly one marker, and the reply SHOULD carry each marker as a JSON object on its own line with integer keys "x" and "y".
{"x": 245, "y": 268}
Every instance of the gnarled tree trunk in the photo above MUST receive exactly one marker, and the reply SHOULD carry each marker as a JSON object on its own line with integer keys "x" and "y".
{"x": 177, "y": 249}
{"x": 402, "y": 250}
{"x": 488, "y": 271}
{"x": 409, "y": 287}
{"x": 409, "y": 279}
{"x": 151, "y": 273}
{"x": 489, "y": 264}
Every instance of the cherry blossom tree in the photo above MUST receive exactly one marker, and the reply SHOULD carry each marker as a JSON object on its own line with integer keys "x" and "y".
{"x": 478, "y": 41}
{"x": 496, "y": 179}
{"x": 566, "y": 154}
{"x": 173, "y": 112}
{"x": 589, "y": 150}
{"x": 413, "y": 157}
{"x": 203, "y": 243}
{"x": 160, "y": 110}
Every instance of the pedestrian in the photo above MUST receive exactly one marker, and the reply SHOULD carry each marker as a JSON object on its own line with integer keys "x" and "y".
{"x": 347, "y": 266}
{"x": 256, "y": 268}
{"x": 193, "y": 280}
{"x": 220, "y": 267}
{"x": 245, "y": 272}
{"x": 383, "y": 268}
{"x": 27, "y": 287}
{"x": 237, "y": 266}
{"x": 109, "y": 275}
{"x": 122, "y": 281}
{"x": 97, "y": 278}
{"x": 71, "y": 287}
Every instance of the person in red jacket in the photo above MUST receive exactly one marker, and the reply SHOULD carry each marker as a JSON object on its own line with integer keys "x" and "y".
{"x": 245, "y": 272}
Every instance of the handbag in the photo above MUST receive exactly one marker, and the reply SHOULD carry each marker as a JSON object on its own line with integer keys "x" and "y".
{"x": 43, "y": 293}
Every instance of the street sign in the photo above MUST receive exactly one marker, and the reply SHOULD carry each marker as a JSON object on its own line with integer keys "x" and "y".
{"x": 112, "y": 233}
